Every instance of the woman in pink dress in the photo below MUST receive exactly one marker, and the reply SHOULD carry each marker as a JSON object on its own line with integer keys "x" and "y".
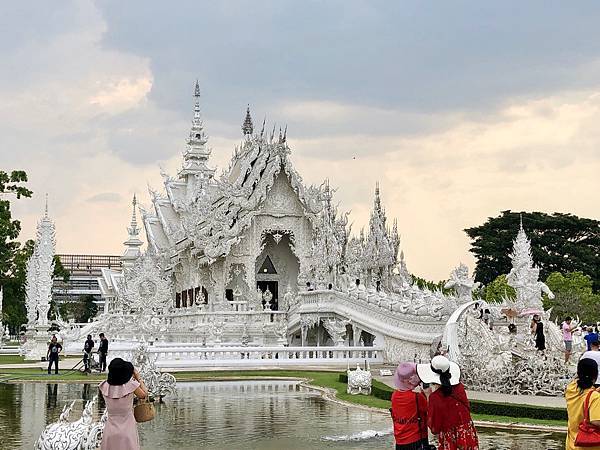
{"x": 120, "y": 431}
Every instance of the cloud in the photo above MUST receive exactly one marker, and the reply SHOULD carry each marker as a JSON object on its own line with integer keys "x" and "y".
{"x": 460, "y": 111}
{"x": 105, "y": 197}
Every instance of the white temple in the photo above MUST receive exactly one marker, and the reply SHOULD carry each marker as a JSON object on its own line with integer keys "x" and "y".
{"x": 257, "y": 258}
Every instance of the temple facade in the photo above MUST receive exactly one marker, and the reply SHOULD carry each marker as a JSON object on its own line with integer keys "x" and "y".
{"x": 256, "y": 257}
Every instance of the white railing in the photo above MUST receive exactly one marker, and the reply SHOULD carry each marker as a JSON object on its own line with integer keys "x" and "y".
{"x": 187, "y": 356}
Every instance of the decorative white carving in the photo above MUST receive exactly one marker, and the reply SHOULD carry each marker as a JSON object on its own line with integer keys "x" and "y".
{"x": 159, "y": 384}
{"x": 83, "y": 434}
{"x": 462, "y": 284}
{"x": 40, "y": 269}
{"x": 524, "y": 275}
{"x": 359, "y": 380}
{"x": 336, "y": 329}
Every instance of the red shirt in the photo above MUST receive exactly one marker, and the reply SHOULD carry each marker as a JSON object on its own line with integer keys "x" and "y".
{"x": 446, "y": 413}
{"x": 405, "y": 417}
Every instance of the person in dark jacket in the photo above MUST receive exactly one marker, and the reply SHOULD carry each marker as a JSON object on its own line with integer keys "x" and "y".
{"x": 54, "y": 348}
{"x": 103, "y": 351}
{"x": 537, "y": 329}
{"x": 87, "y": 353}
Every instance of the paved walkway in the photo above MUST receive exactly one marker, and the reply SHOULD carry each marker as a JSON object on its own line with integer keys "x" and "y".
{"x": 555, "y": 402}
{"x": 65, "y": 364}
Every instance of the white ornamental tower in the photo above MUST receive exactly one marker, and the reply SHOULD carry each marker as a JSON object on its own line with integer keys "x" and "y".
{"x": 133, "y": 243}
{"x": 40, "y": 269}
{"x": 43, "y": 256}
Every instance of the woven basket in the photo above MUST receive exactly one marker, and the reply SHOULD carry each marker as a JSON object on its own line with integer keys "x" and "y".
{"x": 144, "y": 411}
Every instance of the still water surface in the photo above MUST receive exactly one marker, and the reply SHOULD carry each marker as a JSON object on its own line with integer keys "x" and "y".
{"x": 249, "y": 415}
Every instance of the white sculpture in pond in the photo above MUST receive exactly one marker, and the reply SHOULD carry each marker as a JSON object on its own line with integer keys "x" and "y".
{"x": 83, "y": 434}
{"x": 359, "y": 380}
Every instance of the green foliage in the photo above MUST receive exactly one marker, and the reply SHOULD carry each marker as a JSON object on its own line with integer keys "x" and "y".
{"x": 497, "y": 290}
{"x": 560, "y": 243}
{"x": 431, "y": 285}
{"x": 573, "y": 297}
{"x": 81, "y": 309}
{"x": 60, "y": 271}
{"x": 13, "y": 256}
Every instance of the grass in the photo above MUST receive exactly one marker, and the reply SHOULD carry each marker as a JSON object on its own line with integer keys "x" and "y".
{"x": 321, "y": 379}
{"x": 11, "y": 359}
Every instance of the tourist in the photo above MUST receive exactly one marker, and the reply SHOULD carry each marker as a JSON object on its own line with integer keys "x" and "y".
{"x": 409, "y": 410}
{"x": 576, "y": 393}
{"x": 449, "y": 412}
{"x": 537, "y": 329}
{"x": 123, "y": 382}
{"x": 87, "y": 353}
{"x": 54, "y": 349}
{"x": 590, "y": 337}
{"x": 567, "y": 331}
{"x": 594, "y": 354}
{"x": 103, "y": 351}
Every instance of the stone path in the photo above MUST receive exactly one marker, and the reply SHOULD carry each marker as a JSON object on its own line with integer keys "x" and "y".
{"x": 555, "y": 402}
{"x": 64, "y": 364}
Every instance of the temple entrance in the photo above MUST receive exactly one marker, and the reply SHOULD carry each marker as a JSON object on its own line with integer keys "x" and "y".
{"x": 276, "y": 267}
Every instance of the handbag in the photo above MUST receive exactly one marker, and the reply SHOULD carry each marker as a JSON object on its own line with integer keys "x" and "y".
{"x": 144, "y": 411}
{"x": 423, "y": 444}
{"x": 588, "y": 435}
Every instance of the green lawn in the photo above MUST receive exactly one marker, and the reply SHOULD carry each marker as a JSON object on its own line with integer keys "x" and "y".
{"x": 11, "y": 359}
{"x": 321, "y": 379}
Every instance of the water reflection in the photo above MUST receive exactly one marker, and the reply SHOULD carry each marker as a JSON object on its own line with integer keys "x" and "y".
{"x": 51, "y": 394}
{"x": 234, "y": 415}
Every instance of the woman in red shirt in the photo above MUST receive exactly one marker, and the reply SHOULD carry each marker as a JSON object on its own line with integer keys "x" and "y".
{"x": 449, "y": 412}
{"x": 409, "y": 410}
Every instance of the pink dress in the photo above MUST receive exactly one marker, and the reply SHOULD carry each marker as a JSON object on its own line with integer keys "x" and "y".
{"x": 120, "y": 431}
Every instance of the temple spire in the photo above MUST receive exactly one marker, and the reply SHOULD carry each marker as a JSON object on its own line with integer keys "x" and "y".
{"x": 248, "y": 126}
{"x": 195, "y": 157}
{"x": 133, "y": 243}
{"x": 377, "y": 201}
{"x": 46, "y": 208}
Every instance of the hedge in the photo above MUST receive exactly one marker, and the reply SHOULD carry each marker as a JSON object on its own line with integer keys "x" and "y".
{"x": 384, "y": 392}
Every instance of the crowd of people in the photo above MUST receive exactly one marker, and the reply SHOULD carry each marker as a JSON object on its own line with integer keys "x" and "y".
{"x": 55, "y": 349}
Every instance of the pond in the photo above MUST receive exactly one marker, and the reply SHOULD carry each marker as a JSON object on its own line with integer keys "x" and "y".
{"x": 245, "y": 415}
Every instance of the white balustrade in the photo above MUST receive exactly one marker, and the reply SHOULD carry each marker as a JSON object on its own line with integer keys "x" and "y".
{"x": 196, "y": 356}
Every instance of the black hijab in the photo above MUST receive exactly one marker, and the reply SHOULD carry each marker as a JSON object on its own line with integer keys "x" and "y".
{"x": 119, "y": 372}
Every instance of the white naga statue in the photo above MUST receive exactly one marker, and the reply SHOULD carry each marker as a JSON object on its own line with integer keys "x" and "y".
{"x": 462, "y": 284}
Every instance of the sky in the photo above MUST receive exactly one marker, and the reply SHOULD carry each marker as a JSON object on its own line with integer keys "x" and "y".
{"x": 460, "y": 110}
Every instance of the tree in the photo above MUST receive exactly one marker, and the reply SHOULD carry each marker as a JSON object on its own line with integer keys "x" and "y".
{"x": 497, "y": 290}
{"x": 13, "y": 256}
{"x": 422, "y": 283}
{"x": 81, "y": 310}
{"x": 560, "y": 243}
{"x": 59, "y": 272}
{"x": 573, "y": 297}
